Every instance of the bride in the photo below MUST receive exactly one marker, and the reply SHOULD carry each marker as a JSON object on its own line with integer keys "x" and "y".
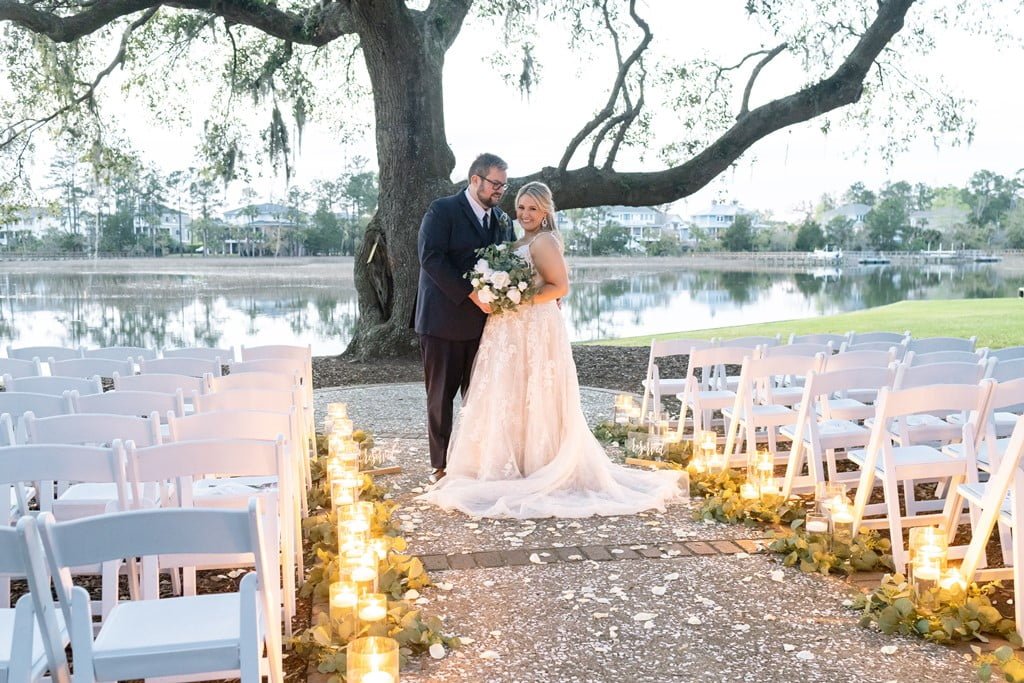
{"x": 523, "y": 447}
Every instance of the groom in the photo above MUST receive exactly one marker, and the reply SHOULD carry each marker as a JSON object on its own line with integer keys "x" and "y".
{"x": 449, "y": 315}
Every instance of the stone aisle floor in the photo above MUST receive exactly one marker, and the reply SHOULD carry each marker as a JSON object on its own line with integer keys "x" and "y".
{"x": 651, "y": 597}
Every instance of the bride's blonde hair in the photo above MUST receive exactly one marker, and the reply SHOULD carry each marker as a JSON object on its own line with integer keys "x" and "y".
{"x": 542, "y": 193}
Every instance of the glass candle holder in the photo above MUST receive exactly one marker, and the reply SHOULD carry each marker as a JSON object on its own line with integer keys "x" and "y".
{"x": 816, "y": 524}
{"x": 828, "y": 495}
{"x": 343, "y": 599}
{"x": 342, "y": 428}
{"x": 354, "y": 524}
{"x": 345, "y": 489}
{"x": 372, "y": 612}
{"x": 373, "y": 659}
{"x": 929, "y": 549}
{"x": 841, "y": 519}
{"x": 621, "y": 411}
{"x": 749, "y": 491}
{"x": 360, "y": 569}
{"x": 337, "y": 410}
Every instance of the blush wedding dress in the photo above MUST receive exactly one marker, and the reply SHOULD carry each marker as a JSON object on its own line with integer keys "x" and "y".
{"x": 522, "y": 446}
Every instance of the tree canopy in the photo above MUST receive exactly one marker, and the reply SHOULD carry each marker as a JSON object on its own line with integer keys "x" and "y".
{"x": 297, "y": 59}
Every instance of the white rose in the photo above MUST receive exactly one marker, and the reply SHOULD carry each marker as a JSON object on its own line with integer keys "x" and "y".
{"x": 482, "y": 267}
{"x": 501, "y": 247}
{"x": 475, "y": 282}
{"x": 523, "y": 285}
{"x": 514, "y": 296}
{"x": 485, "y": 295}
{"x": 500, "y": 279}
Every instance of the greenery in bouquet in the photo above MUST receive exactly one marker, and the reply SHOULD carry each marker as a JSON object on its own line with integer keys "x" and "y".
{"x": 501, "y": 278}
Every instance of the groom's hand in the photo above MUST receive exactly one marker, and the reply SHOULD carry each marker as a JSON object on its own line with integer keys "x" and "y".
{"x": 486, "y": 308}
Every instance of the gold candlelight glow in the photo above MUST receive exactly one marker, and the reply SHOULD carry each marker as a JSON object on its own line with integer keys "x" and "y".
{"x": 929, "y": 548}
{"x": 841, "y": 519}
{"x": 372, "y": 611}
{"x": 622, "y": 409}
{"x": 372, "y": 659}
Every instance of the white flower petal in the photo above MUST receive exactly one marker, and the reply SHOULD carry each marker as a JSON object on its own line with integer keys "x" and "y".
{"x": 694, "y": 621}
{"x": 489, "y": 654}
{"x": 805, "y": 655}
{"x": 778, "y": 575}
{"x": 889, "y": 649}
{"x": 643, "y": 616}
{"x": 437, "y": 651}
{"x": 535, "y": 558}
{"x": 658, "y": 590}
{"x": 411, "y": 594}
{"x": 788, "y": 648}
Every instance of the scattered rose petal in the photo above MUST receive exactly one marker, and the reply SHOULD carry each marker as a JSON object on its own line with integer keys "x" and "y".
{"x": 489, "y": 654}
{"x": 600, "y": 615}
{"x": 411, "y": 594}
{"x": 741, "y": 556}
{"x": 694, "y": 621}
{"x": 488, "y": 583}
{"x": 437, "y": 651}
{"x": 671, "y": 577}
{"x": 788, "y": 648}
{"x": 535, "y": 558}
{"x": 805, "y": 655}
{"x": 741, "y": 627}
{"x": 888, "y": 649}
{"x": 658, "y": 590}
{"x": 496, "y": 634}
{"x": 847, "y": 603}
{"x": 466, "y": 640}
{"x": 778, "y": 575}
{"x": 575, "y": 557}
{"x": 649, "y": 624}
{"x": 643, "y": 616}
{"x": 445, "y": 586}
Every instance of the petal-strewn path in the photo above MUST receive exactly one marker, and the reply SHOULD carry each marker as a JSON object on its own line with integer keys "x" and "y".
{"x": 653, "y": 597}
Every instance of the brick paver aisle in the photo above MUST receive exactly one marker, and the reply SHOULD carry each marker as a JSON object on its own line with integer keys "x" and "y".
{"x": 649, "y": 597}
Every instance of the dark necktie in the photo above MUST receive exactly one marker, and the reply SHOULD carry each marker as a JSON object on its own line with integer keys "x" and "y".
{"x": 485, "y": 223}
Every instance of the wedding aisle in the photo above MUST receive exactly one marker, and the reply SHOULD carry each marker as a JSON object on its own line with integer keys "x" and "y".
{"x": 652, "y": 597}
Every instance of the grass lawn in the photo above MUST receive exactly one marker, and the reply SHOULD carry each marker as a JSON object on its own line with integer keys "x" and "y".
{"x": 995, "y": 322}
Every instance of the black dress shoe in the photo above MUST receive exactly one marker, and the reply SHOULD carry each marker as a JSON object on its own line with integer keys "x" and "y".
{"x": 436, "y": 476}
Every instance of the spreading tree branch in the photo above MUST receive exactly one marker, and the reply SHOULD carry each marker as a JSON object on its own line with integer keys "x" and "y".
{"x": 620, "y": 82}
{"x": 591, "y": 186}
{"x": 775, "y": 52}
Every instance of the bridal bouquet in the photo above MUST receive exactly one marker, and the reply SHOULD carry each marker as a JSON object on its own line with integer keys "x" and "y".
{"x": 501, "y": 278}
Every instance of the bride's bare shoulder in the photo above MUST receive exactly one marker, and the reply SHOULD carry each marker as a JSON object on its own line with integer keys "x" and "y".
{"x": 546, "y": 242}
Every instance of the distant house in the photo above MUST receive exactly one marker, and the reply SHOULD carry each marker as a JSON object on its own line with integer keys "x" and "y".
{"x": 854, "y": 213}
{"x": 34, "y": 221}
{"x": 163, "y": 220}
{"x": 944, "y": 219}
{"x": 645, "y": 224}
{"x": 714, "y": 220}
{"x": 260, "y": 222}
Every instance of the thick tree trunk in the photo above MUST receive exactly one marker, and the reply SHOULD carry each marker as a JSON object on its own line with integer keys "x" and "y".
{"x": 415, "y": 166}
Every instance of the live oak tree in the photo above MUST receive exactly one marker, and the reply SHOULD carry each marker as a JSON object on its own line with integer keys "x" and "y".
{"x": 277, "y": 52}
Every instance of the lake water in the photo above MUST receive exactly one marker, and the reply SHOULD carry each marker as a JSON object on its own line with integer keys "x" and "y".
{"x": 315, "y": 303}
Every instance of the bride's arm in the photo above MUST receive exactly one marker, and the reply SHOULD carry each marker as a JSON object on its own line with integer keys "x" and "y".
{"x": 547, "y": 258}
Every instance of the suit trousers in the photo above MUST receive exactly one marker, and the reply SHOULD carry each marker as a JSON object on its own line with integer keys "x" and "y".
{"x": 447, "y": 365}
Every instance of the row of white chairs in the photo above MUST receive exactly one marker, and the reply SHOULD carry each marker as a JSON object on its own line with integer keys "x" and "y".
{"x": 222, "y": 635}
{"x": 226, "y": 354}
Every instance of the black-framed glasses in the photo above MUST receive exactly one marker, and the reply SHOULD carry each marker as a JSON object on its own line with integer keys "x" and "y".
{"x": 496, "y": 184}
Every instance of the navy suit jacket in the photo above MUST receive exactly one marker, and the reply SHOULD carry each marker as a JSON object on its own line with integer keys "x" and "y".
{"x": 449, "y": 235}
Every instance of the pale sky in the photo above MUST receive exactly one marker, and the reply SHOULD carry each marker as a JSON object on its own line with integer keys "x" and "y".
{"x": 791, "y": 167}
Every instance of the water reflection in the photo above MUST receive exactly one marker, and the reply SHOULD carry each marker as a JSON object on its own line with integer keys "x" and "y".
{"x": 165, "y": 310}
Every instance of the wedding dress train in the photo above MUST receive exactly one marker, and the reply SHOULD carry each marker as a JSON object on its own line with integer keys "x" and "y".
{"x": 522, "y": 446}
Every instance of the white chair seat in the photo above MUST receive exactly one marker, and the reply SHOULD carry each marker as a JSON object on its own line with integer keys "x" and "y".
{"x": 192, "y": 634}
{"x": 224, "y": 487}
{"x": 710, "y": 400}
{"x": 1004, "y": 422}
{"x": 85, "y": 500}
{"x": 849, "y": 409}
{"x": 918, "y": 456}
{"x": 956, "y": 450}
{"x": 787, "y": 396}
{"x": 834, "y": 434}
{"x": 668, "y": 386}
{"x": 974, "y": 494}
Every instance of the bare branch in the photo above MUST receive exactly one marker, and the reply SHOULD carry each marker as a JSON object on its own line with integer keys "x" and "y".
{"x": 775, "y": 52}
{"x": 444, "y": 18}
{"x": 27, "y": 127}
{"x": 620, "y": 82}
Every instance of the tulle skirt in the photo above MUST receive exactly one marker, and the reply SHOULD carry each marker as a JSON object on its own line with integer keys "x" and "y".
{"x": 522, "y": 447}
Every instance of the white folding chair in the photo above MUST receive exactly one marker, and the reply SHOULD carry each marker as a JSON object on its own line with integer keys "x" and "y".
{"x": 225, "y": 355}
{"x": 128, "y": 402}
{"x": 266, "y": 426}
{"x": 90, "y": 367}
{"x": 856, "y": 403}
{"x": 756, "y": 407}
{"x": 818, "y": 433}
{"x": 16, "y": 368}
{"x": 707, "y": 392}
{"x": 55, "y": 386}
{"x": 301, "y": 354}
{"x": 655, "y": 386}
{"x": 1001, "y": 500}
{"x": 194, "y": 367}
{"x": 1008, "y": 353}
{"x": 897, "y": 350}
{"x": 254, "y": 380}
{"x": 222, "y": 635}
{"x": 1005, "y": 370}
{"x": 30, "y": 352}
{"x": 121, "y": 353}
{"x": 30, "y": 644}
{"x": 934, "y": 344}
{"x": 908, "y": 462}
{"x": 17, "y": 403}
{"x": 750, "y": 342}
{"x": 836, "y": 340}
{"x": 809, "y": 349}
{"x": 934, "y": 426}
{"x": 913, "y": 358}
{"x": 212, "y": 474}
{"x": 874, "y": 337}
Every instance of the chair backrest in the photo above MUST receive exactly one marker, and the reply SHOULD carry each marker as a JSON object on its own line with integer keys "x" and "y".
{"x": 824, "y": 338}
{"x": 205, "y": 352}
{"x": 750, "y": 342}
{"x": 194, "y": 367}
{"x": 121, "y": 353}
{"x": 860, "y": 359}
{"x": 1008, "y": 353}
{"x": 1007, "y": 396}
{"x": 16, "y": 368}
{"x": 875, "y": 337}
{"x": 17, "y": 403}
{"x": 895, "y": 404}
{"x": 60, "y": 462}
{"x": 22, "y": 553}
{"x": 234, "y": 424}
{"x": 285, "y": 366}
{"x": 254, "y": 380}
{"x": 914, "y": 358}
{"x": 273, "y": 400}
{"x": 128, "y": 402}
{"x": 55, "y": 386}
{"x": 299, "y": 353}
{"x": 42, "y": 352}
{"x": 1005, "y": 370}
{"x": 165, "y": 383}
{"x": 908, "y": 377}
{"x": 707, "y": 360}
{"x": 820, "y": 387}
{"x": 92, "y": 428}
{"x": 661, "y": 348}
{"x": 805, "y": 349}
{"x": 933, "y": 344}
{"x": 90, "y": 367}
{"x": 897, "y": 350}
{"x": 758, "y": 375}
{"x": 148, "y": 534}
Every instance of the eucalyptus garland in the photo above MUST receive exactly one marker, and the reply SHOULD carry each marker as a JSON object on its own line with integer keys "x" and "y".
{"x": 822, "y": 554}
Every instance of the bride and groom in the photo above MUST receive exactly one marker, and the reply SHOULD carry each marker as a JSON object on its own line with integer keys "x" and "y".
{"x": 523, "y": 447}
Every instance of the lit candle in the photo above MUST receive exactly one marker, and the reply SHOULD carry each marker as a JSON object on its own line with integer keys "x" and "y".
{"x": 337, "y": 410}
{"x": 817, "y": 526}
{"x": 927, "y": 569}
{"x": 748, "y": 491}
{"x": 377, "y": 677}
{"x": 372, "y": 613}
{"x": 952, "y": 578}
{"x": 363, "y": 574}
